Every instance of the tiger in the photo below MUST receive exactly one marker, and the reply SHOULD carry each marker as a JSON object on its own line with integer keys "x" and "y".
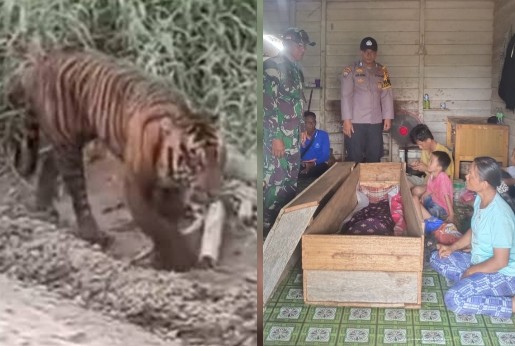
{"x": 172, "y": 154}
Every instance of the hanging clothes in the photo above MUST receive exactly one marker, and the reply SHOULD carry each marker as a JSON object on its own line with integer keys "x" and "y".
{"x": 507, "y": 84}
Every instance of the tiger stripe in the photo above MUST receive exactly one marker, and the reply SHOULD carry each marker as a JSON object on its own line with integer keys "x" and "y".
{"x": 75, "y": 97}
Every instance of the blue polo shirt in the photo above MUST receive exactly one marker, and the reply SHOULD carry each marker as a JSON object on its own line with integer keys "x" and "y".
{"x": 319, "y": 150}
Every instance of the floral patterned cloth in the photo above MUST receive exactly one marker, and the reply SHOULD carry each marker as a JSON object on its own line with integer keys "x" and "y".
{"x": 372, "y": 220}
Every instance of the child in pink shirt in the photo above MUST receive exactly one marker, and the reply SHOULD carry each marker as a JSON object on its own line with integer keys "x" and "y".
{"x": 437, "y": 199}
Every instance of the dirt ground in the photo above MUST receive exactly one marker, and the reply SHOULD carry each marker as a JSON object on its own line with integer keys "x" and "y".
{"x": 201, "y": 307}
{"x": 34, "y": 316}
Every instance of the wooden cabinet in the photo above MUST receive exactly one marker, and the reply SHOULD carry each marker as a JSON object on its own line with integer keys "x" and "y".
{"x": 472, "y": 137}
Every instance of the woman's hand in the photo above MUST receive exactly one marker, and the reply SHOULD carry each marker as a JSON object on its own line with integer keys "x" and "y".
{"x": 444, "y": 250}
{"x": 467, "y": 272}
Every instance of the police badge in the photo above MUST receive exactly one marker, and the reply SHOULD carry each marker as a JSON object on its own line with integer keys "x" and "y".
{"x": 386, "y": 79}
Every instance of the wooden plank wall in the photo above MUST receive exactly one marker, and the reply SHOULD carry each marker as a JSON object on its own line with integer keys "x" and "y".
{"x": 458, "y": 60}
{"x": 504, "y": 24}
{"x": 277, "y": 16}
{"x": 454, "y": 37}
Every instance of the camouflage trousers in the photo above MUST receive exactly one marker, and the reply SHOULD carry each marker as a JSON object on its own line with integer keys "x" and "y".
{"x": 280, "y": 184}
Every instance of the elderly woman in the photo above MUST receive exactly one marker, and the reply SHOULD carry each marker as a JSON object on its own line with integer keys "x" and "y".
{"x": 482, "y": 262}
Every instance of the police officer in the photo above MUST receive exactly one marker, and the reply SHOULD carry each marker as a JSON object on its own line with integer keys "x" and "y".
{"x": 366, "y": 100}
{"x": 283, "y": 99}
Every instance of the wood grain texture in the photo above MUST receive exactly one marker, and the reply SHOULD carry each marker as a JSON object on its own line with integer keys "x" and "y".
{"x": 344, "y": 269}
{"x": 415, "y": 225}
{"x": 342, "y": 203}
{"x": 323, "y": 186}
{"x": 358, "y": 287}
{"x": 354, "y": 252}
{"x": 280, "y": 245}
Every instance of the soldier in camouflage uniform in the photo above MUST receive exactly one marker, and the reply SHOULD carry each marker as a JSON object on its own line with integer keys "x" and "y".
{"x": 283, "y": 99}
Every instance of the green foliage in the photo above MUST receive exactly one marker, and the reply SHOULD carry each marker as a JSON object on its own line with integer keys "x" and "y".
{"x": 207, "y": 48}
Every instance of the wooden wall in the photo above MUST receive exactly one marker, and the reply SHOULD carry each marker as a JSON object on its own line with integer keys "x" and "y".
{"x": 504, "y": 27}
{"x": 439, "y": 47}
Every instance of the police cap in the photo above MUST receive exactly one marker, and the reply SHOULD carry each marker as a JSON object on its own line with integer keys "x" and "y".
{"x": 368, "y": 43}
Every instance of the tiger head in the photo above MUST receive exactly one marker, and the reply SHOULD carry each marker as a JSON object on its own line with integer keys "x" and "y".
{"x": 191, "y": 159}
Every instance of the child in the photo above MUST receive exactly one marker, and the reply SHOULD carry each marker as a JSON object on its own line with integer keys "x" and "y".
{"x": 437, "y": 198}
{"x": 423, "y": 138}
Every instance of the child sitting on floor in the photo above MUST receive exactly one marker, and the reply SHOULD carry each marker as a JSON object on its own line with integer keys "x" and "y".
{"x": 437, "y": 198}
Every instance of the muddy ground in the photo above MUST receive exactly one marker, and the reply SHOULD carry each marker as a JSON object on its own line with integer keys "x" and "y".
{"x": 201, "y": 307}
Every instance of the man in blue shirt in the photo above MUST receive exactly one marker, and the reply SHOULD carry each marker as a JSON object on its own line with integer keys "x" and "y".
{"x": 315, "y": 150}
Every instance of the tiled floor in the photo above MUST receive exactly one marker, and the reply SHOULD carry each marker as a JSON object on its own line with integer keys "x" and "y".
{"x": 289, "y": 322}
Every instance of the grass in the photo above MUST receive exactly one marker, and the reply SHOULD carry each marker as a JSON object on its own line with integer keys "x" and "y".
{"x": 205, "y": 48}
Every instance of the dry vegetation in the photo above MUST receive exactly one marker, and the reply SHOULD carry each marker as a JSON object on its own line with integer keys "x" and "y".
{"x": 205, "y": 48}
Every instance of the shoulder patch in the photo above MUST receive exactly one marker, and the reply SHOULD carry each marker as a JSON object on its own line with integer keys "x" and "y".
{"x": 386, "y": 79}
{"x": 346, "y": 71}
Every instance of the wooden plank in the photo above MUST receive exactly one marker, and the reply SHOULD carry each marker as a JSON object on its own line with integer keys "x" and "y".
{"x": 395, "y": 71}
{"x": 460, "y": 94}
{"x": 386, "y": 289}
{"x": 323, "y": 258}
{"x": 309, "y": 5}
{"x": 308, "y": 16}
{"x": 346, "y": 5}
{"x": 447, "y": 49}
{"x": 463, "y": 38}
{"x": 381, "y": 37}
{"x": 458, "y": 14}
{"x": 386, "y": 49}
{"x": 398, "y": 82}
{"x": 458, "y": 71}
{"x": 311, "y": 60}
{"x": 341, "y": 204}
{"x": 370, "y": 13}
{"x": 357, "y": 24}
{"x": 280, "y": 244}
{"x": 323, "y": 186}
{"x": 459, "y": 105}
{"x": 336, "y": 138}
{"x": 464, "y": 4}
{"x": 465, "y": 83}
{"x": 312, "y": 28}
{"x": 333, "y": 94}
{"x": 389, "y": 60}
{"x": 459, "y": 25}
{"x": 368, "y": 305}
{"x": 355, "y": 252}
{"x": 380, "y": 172}
{"x": 459, "y": 60}
{"x": 415, "y": 226}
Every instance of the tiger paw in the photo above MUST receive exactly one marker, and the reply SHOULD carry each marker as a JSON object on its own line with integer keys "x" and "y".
{"x": 48, "y": 213}
{"x": 89, "y": 231}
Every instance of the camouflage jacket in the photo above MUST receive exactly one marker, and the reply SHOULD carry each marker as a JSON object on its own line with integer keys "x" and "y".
{"x": 283, "y": 98}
